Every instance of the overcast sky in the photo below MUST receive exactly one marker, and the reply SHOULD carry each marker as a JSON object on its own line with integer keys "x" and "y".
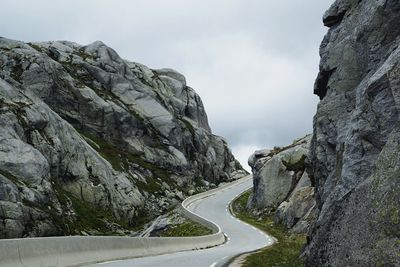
{"x": 253, "y": 62}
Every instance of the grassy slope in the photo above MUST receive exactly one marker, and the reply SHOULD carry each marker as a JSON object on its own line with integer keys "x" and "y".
{"x": 285, "y": 253}
{"x": 187, "y": 228}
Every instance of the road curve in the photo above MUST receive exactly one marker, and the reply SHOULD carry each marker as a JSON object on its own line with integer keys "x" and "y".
{"x": 241, "y": 237}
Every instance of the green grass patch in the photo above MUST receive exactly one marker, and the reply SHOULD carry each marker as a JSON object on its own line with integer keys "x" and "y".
{"x": 84, "y": 55}
{"x": 11, "y": 177}
{"x": 88, "y": 218}
{"x": 284, "y": 253}
{"x": 105, "y": 149}
{"x": 187, "y": 228}
{"x": 122, "y": 160}
{"x": 36, "y": 47}
{"x": 297, "y": 166}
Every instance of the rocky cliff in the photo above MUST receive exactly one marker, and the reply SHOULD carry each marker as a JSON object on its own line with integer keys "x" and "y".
{"x": 281, "y": 185}
{"x": 93, "y": 144}
{"x": 355, "y": 149}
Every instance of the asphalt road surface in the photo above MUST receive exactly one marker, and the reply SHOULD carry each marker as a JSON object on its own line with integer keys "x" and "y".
{"x": 241, "y": 237}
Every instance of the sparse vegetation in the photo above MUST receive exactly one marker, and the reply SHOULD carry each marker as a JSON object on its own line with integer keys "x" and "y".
{"x": 189, "y": 126}
{"x": 238, "y": 165}
{"x": 121, "y": 160}
{"x": 88, "y": 218}
{"x": 187, "y": 228}
{"x": 17, "y": 70}
{"x": 10, "y": 177}
{"x": 284, "y": 253}
{"x": 278, "y": 149}
{"x": 296, "y": 166}
{"x": 81, "y": 52}
{"x": 36, "y": 47}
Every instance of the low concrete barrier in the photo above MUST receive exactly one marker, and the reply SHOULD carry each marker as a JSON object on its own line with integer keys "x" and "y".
{"x": 78, "y": 250}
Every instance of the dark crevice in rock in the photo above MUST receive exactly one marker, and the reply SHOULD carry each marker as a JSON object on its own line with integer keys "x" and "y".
{"x": 333, "y": 20}
{"x": 321, "y": 84}
{"x": 295, "y": 179}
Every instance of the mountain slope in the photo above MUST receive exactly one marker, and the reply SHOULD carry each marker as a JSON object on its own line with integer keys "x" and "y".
{"x": 92, "y": 143}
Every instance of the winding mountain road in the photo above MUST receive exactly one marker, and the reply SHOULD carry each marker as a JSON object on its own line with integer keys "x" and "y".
{"x": 240, "y": 236}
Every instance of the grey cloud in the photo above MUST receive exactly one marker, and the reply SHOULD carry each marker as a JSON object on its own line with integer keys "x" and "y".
{"x": 253, "y": 62}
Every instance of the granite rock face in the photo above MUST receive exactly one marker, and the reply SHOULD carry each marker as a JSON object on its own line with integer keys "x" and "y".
{"x": 297, "y": 213}
{"x": 281, "y": 185}
{"x": 354, "y": 154}
{"x": 92, "y": 144}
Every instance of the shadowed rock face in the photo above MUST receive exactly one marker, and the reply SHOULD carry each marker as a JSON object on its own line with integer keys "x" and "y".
{"x": 92, "y": 143}
{"x": 353, "y": 159}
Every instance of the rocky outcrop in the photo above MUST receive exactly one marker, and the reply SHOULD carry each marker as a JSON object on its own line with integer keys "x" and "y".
{"x": 92, "y": 144}
{"x": 354, "y": 155}
{"x": 281, "y": 185}
{"x": 297, "y": 213}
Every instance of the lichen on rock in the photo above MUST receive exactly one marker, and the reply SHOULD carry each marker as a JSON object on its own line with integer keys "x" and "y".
{"x": 280, "y": 185}
{"x": 91, "y": 143}
{"x": 354, "y": 148}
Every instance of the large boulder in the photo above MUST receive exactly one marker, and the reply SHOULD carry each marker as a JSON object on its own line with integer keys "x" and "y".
{"x": 353, "y": 158}
{"x": 281, "y": 185}
{"x": 91, "y": 143}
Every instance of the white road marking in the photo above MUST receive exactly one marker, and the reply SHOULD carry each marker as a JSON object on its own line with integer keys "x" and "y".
{"x": 106, "y": 262}
{"x": 228, "y": 239}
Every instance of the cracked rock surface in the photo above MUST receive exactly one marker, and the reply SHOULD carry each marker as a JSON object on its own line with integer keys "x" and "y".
{"x": 93, "y": 144}
{"x": 281, "y": 185}
{"x": 354, "y": 154}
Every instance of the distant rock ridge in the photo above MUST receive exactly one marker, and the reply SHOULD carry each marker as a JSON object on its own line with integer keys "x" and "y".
{"x": 91, "y": 143}
{"x": 355, "y": 150}
{"x": 281, "y": 185}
